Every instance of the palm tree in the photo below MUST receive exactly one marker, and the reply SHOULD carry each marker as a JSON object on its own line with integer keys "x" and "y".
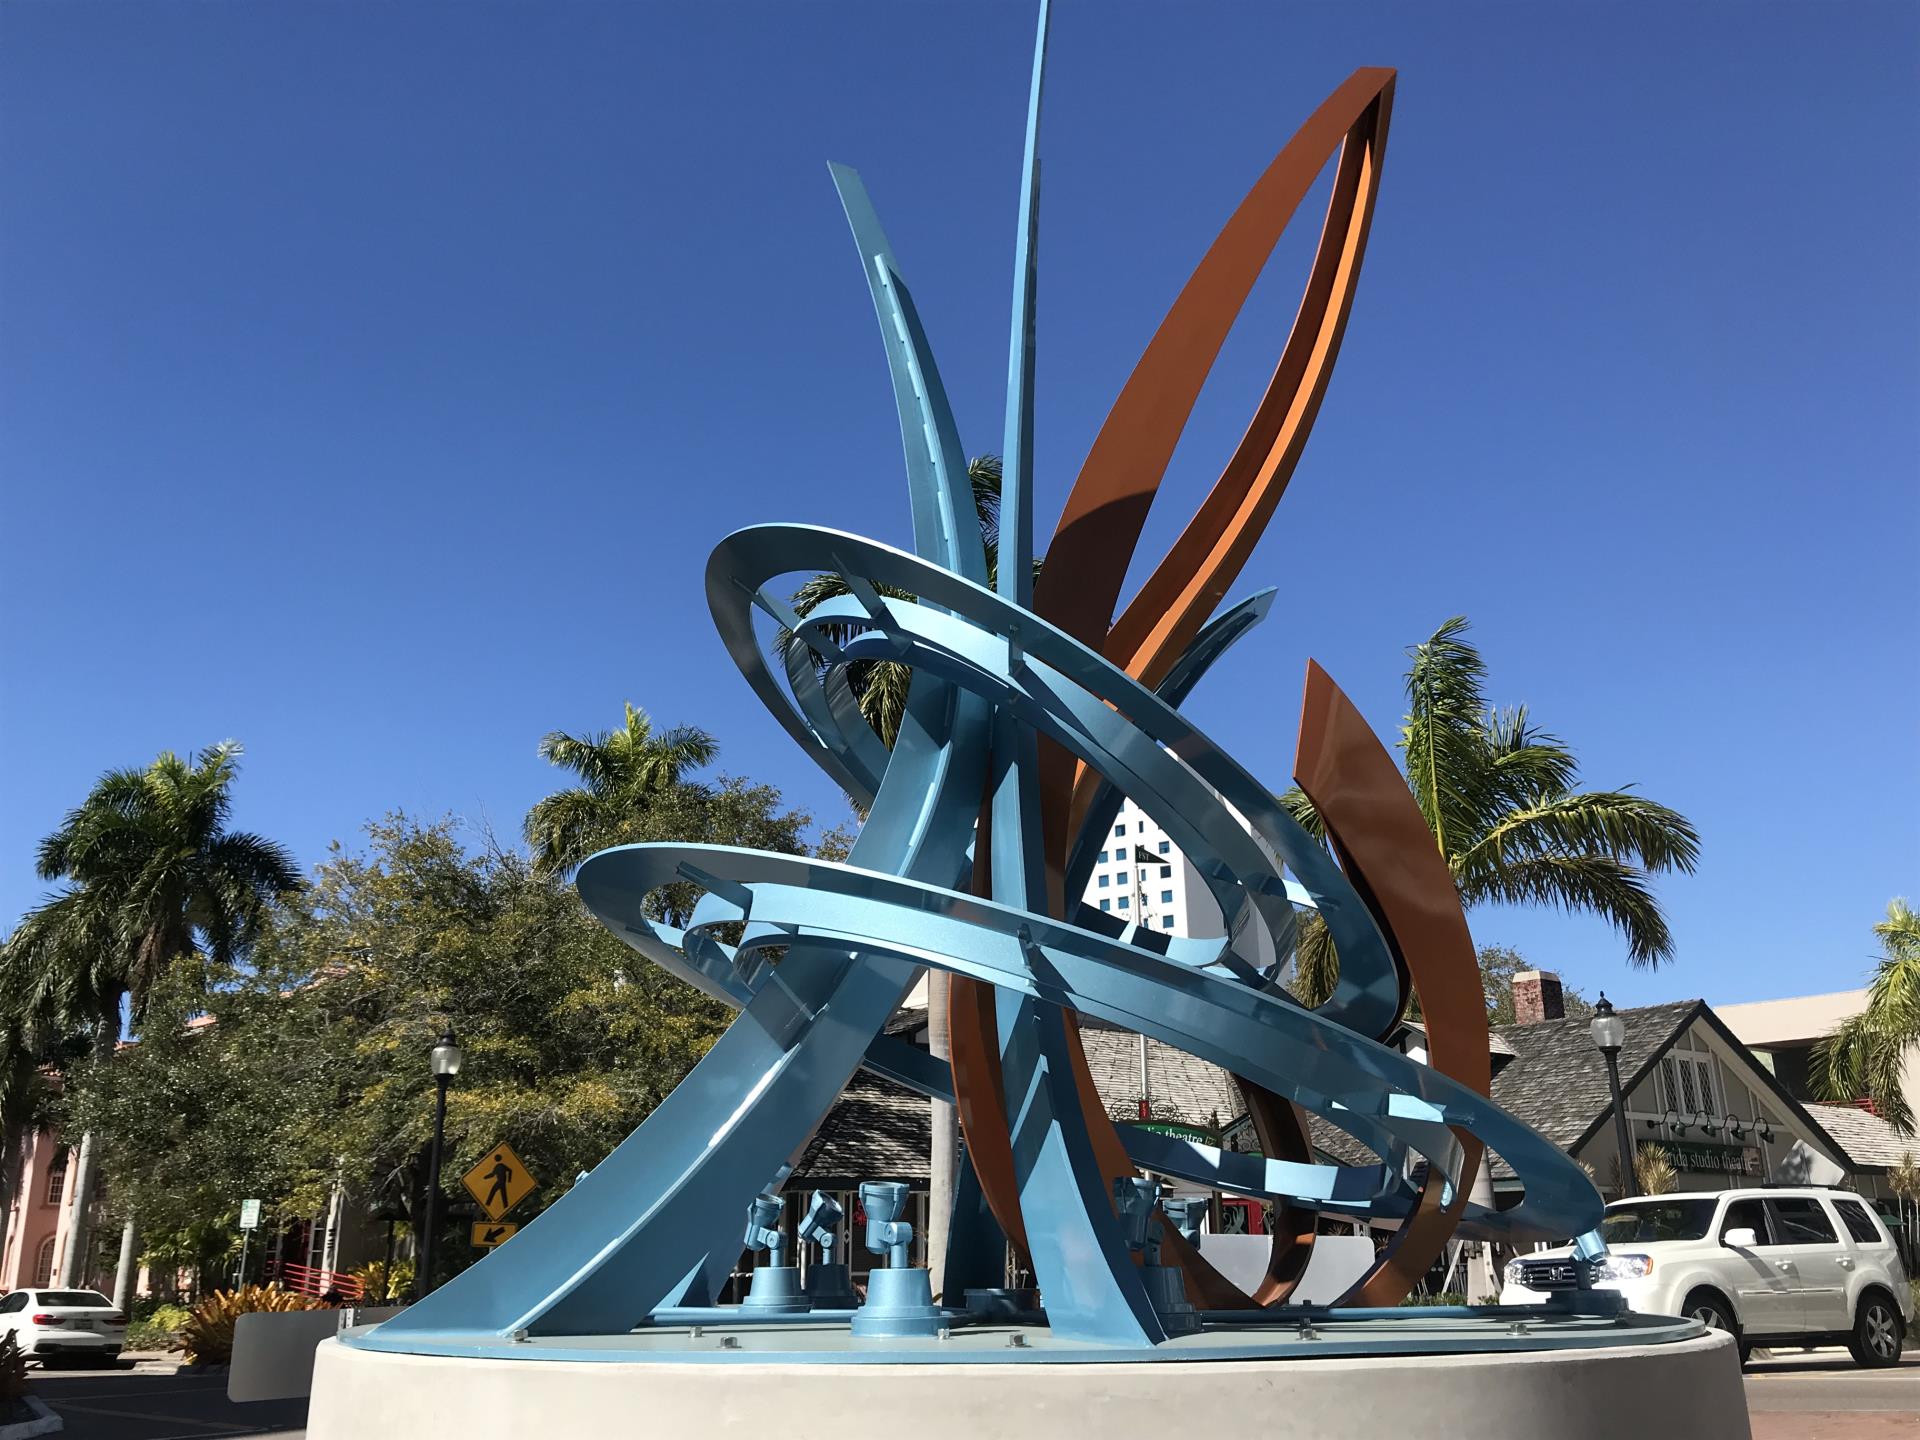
{"x": 622, "y": 773}
{"x": 1498, "y": 794}
{"x": 154, "y": 881}
{"x": 1867, "y": 1053}
{"x": 881, "y": 685}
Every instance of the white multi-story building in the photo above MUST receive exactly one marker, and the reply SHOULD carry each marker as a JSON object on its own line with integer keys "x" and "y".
{"x": 1142, "y": 876}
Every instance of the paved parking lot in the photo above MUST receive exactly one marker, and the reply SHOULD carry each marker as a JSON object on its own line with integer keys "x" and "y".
{"x": 151, "y": 1404}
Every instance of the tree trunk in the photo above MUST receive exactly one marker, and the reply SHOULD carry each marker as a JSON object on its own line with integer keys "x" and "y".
{"x": 128, "y": 1273}
{"x": 1483, "y": 1282}
{"x": 943, "y": 1167}
{"x": 10, "y": 1165}
{"x": 73, "y": 1258}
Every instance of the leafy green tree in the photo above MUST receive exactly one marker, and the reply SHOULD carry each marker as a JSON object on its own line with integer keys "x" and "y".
{"x": 623, "y": 774}
{"x": 1498, "y": 794}
{"x": 155, "y": 885}
{"x": 311, "y": 1066}
{"x": 1867, "y": 1054}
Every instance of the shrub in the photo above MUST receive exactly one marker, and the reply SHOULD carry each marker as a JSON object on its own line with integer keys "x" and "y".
{"x": 13, "y": 1373}
{"x": 159, "y": 1328}
{"x": 207, "y": 1337}
{"x": 381, "y": 1284}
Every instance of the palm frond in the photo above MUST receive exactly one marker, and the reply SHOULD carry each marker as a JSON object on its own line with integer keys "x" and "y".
{"x": 1316, "y": 964}
{"x": 1447, "y": 758}
{"x": 1596, "y": 884}
{"x": 1295, "y": 802}
{"x": 1614, "y": 823}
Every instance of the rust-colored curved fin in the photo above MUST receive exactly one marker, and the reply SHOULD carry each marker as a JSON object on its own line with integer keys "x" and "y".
{"x": 1282, "y": 1135}
{"x": 1093, "y": 545}
{"x": 1390, "y": 855}
{"x": 1100, "y": 527}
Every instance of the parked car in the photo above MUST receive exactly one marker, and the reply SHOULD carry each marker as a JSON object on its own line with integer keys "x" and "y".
{"x": 1773, "y": 1266}
{"x": 54, "y": 1323}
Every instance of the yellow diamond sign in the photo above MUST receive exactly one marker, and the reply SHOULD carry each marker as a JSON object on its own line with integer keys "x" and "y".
{"x": 499, "y": 1181}
{"x": 488, "y": 1233}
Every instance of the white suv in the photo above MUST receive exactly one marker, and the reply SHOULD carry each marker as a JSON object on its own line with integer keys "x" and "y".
{"x": 1776, "y": 1266}
{"x": 50, "y": 1323}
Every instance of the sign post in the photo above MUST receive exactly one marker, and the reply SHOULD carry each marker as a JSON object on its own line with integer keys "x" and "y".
{"x": 249, "y": 1222}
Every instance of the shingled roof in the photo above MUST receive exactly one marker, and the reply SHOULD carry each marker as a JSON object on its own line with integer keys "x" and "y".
{"x": 1557, "y": 1082}
{"x": 1185, "y": 1088}
{"x": 876, "y": 1130}
{"x": 1870, "y": 1141}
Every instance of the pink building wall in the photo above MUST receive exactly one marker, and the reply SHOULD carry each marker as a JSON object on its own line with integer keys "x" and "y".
{"x": 32, "y": 1219}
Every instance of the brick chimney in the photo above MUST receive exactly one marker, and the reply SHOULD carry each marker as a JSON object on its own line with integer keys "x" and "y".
{"x": 1536, "y": 997}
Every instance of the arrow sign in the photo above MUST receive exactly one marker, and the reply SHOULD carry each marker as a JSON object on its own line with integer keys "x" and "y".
{"x": 488, "y": 1233}
{"x": 498, "y": 1181}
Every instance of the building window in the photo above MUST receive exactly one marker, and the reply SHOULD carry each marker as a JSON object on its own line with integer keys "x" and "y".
{"x": 1101, "y": 882}
{"x": 1121, "y": 828}
{"x": 1166, "y": 897}
{"x": 43, "y": 1264}
{"x": 1139, "y": 827}
{"x": 1123, "y": 902}
{"x": 1103, "y": 857}
{"x": 1163, "y": 847}
{"x": 1166, "y": 872}
{"x": 1706, "y": 1089}
{"x": 1669, "y": 1087}
{"x": 1686, "y": 1088}
{"x": 1106, "y": 904}
{"x": 1166, "y": 922}
{"x": 57, "y": 1179}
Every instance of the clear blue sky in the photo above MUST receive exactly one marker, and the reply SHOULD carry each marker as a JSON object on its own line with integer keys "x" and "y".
{"x": 374, "y": 380}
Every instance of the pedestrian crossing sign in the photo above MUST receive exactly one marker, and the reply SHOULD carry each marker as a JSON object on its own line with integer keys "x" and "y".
{"x": 498, "y": 1181}
{"x": 488, "y": 1233}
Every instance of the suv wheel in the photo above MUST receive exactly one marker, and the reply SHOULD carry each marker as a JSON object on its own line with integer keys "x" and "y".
{"x": 1876, "y": 1339}
{"x": 1711, "y": 1312}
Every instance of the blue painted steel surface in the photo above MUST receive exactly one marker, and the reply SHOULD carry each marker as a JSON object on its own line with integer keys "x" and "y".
{"x": 817, "y": 955}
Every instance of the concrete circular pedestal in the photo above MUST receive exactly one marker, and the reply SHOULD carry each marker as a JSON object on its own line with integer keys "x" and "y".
{"x": 1684, "y": 1388}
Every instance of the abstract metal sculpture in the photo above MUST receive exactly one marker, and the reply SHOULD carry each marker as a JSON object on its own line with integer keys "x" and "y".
{"x": 1031, "y": 714}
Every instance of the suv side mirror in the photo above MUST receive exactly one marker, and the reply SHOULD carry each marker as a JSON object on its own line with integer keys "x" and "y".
{"x": 1739, "y": 1239}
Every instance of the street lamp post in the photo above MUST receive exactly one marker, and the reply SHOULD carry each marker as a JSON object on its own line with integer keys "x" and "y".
{"x": 1609, "y": 1034}
{"x": 447, "y": 1056}
{"x": 1143, "y": 857}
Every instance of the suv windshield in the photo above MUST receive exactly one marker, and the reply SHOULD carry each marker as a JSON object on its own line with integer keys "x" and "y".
{"x": 1640, "y": 1221}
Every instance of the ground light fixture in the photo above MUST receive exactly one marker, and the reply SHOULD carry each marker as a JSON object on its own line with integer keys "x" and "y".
{"x": 1609, "y": 1033}
{"x": 447, "y": 1058}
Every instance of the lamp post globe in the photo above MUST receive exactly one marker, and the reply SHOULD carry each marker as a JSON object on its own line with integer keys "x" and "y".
{"x": 1609, "y": 1033}
{"x": 447, "y": 1056}
{"x": 446, "y": 1059}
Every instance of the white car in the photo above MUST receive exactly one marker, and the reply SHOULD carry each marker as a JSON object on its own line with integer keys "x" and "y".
{"x": 1774, "y": 1266}
{"x": 53, "y": 1323}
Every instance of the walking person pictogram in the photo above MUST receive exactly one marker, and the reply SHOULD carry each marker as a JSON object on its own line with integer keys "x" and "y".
{"x": 500, "y": 1174}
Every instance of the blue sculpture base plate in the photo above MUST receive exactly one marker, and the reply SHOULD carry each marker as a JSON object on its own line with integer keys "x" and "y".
{"x": 729, "y": 1335}
{"x": 776, "y": 1289}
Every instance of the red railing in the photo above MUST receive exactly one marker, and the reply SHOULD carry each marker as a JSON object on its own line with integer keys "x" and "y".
{"x": 311, "y": 1280}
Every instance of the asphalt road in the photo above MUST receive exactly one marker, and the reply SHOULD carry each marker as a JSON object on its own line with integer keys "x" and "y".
{"x": 133, "y": 1404}
{"x": 1796, "y": 1395}
{"x": 1823, "y": 1395}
